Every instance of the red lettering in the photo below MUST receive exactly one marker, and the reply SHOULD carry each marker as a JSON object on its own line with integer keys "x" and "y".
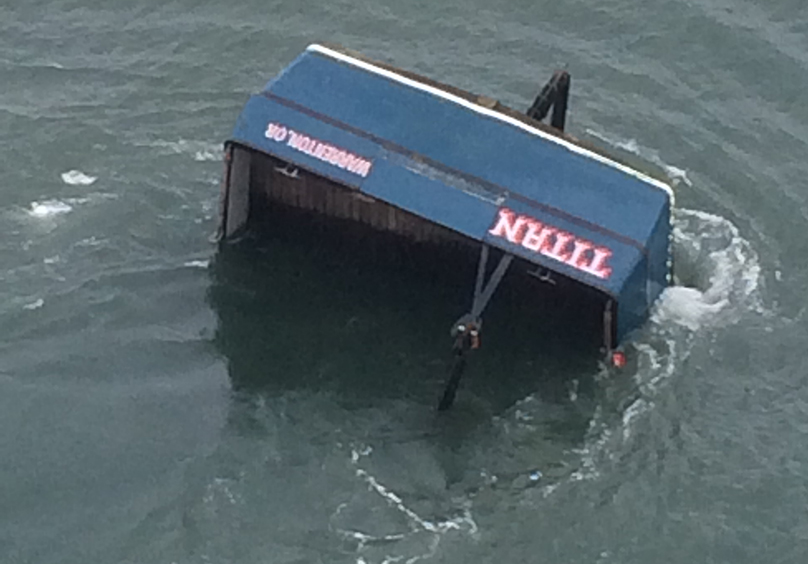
{"x": 537, "y": 236}
{"x": 317, "y": 149}
{"x": 363, "y": 169}
{"x": 276, "y": 132}
{"x": 551, "y": 242}
{"x": 305, "y": 144}
{"x": 298, "y": 141}
{"x": 598, "y": 265}
{"x": 558, "y": 250}
{"x": 346, "y": 160}
{"x": 309, "y": 146}
{"x": 577, "y": 257}
{"x": 509, "y": 226}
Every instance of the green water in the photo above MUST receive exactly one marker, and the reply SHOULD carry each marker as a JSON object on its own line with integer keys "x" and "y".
{"x": 160, "y": 403}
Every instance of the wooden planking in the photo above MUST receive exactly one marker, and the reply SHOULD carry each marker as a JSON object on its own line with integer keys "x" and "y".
{"x": 314, "y": 193}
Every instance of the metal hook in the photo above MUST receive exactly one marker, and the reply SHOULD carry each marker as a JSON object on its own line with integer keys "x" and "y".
{"x": 288, "y": 170}
{"x": 544, "y": 275}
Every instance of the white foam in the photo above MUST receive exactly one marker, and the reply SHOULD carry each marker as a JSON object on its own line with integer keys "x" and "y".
{"x": 76, "y": 201}
{"x": 686, "y": 306}
{"x": 34, "y": 305}
{"x": 90, "y": 242}
{"x": 205, "y": 155}
{"x": 634, "y": 411}
{"x": 418, "y": 526}
{"x": 49, "y": 208}
{"x": 197, "y": 263}
{"x": 200, "y": 151}
{"x": 221, "y": 489}
{"x": 657, "y": 366}
{"x": 677, "y": 175}
{"x": 77, "y": 178}
{"x": 722, "y": 280}
{"x": 719, "y": 269}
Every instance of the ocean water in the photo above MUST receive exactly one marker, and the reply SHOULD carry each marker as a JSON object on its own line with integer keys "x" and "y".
{"x": 162, "y": 403}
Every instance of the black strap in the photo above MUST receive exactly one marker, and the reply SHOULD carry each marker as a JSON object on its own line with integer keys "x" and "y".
{"x": 458, "y": 366}
{"x": 466, "y": 329}
{"x": 481, "y": 298}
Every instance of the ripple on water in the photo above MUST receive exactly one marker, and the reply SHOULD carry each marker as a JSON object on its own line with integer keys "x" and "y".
{"x": 718, "y": 280}
{"x": 728, "y": 277}
{"x": 49, "y": 208}
{"x": 77, "y": 178}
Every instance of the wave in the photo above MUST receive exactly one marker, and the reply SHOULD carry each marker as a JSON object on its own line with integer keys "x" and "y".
{"x": 717, "y": 280}
{"x": 406, "y": 499}
{"x": 200, "y": 151}
{"x": 48, "y": 208}
{"x": 36, "y": 304}
{"x": 717, "y": 272}
{"x": 77, "y": 178}
{"x": 51, "y": 208}
{"x": 675, "y": 174}
{"x": 419, "y": 540}
{"x": 382, "y": 510}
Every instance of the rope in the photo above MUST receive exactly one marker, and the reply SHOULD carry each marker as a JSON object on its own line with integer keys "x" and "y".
{"x": 481, "y": 299}
{"x": 466, "y": 330}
